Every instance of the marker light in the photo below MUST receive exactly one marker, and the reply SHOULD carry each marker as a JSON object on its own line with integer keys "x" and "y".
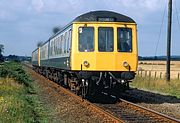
{"x": 86, "y": 63}
{"x": 125, "y": 64}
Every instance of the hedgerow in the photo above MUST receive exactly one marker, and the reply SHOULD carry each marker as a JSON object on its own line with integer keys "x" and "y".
{"x": 14, "y": 70}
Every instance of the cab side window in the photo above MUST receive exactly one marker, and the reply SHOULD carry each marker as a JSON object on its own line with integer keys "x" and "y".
{"x": 124, "y": 40}
{"x": 86, "y": 39}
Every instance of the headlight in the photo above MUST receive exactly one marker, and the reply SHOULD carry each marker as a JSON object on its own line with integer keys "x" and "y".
{"x": 86, "y": 63}
{"x": 125, "y": 64}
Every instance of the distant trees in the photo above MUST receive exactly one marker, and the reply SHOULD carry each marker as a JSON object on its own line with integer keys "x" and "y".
{"x": 17, "y": 58}
{"x": 1, "y": 48}
{"x": 40, "y": 43}
{"x": 1, "y": 52}
{"x": 56, "y": 29}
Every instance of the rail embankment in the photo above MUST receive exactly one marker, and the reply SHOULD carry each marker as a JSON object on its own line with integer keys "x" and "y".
{"x": 19, "y": 101}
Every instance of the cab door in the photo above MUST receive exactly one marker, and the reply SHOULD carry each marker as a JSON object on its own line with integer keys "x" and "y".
{"x": 83, "y": 47}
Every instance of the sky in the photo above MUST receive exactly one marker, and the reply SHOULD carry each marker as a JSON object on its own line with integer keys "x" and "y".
{"x": 23, "y": 23}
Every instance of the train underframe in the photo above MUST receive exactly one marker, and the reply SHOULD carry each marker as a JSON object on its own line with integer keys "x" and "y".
{"x": 88, "y": 83}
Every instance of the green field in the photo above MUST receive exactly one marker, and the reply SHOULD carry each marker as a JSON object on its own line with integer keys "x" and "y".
{"x": 19, "y": 101}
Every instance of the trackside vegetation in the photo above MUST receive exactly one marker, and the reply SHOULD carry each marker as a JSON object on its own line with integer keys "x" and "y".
{"x": 19, "y": 101}
{"x": 157, "y": 85}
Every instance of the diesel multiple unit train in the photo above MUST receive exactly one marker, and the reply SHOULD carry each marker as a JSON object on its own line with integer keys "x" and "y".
{"x": 96, "y": 51}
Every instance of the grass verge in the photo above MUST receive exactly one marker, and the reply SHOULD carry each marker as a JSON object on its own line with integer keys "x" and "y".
{"x": 19, "y": 101}
{"x": 157, "y": 85}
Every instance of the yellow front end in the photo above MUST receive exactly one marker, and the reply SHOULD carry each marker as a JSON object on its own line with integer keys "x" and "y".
{"x": 103, "y": 61}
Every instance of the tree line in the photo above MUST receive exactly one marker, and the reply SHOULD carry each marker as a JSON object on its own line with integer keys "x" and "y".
{"x": 40, "y": 43}
{"x": 1, "y": 52}
{"x": 54, "y": 30}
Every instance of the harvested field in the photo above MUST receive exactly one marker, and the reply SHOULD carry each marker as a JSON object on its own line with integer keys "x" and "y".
{"x": 160, "y": 68}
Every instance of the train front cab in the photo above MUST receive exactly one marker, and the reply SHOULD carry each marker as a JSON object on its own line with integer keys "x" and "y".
{"x": 103, "y": 50}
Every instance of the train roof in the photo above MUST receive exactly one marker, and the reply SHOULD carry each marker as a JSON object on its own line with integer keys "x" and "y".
{"x": 103, "y": 16}
{"x": 96, "y": 16}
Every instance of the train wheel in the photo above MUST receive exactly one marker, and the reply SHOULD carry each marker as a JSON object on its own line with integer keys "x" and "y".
{"x": 84, "y": 88}
{"x": 88, "y": 88}
{"x": 65, "y": 80}
{"x": 60, "y": 78}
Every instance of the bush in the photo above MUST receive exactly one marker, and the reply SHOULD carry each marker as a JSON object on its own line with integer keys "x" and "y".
{"x": 15, "y": 70}
{"x": 20, "y": 101}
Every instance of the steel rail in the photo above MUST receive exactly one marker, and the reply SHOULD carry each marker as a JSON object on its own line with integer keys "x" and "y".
{"x": 152, "y": 112}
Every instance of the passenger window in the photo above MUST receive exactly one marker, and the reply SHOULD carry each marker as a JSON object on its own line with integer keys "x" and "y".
{"x": 65, "y": 41}
{"x": 61, "y": 47}
{"x": 55, "y": 46}
{"x": 124, "y": 40}
{"x": 63, "y": 44}
{"x": 105, "y": 39}
{"x": 69, "y": 41}
{"x": 86, "y": 39}
{"x": 67, "y": 47}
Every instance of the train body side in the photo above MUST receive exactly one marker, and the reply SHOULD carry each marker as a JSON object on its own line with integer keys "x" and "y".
{"x": 54, "y": 53}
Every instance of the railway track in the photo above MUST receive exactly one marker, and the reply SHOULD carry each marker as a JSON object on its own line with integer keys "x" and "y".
{"x": 119, "y": 112}
{"x": 133, "y": 113}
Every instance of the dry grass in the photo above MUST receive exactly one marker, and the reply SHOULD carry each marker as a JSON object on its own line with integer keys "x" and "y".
{"x": 11, "y": 101}
{"x": 19, "y": 102}
{"x": 145, "y": 79}
{"x": 157, "y": 85}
